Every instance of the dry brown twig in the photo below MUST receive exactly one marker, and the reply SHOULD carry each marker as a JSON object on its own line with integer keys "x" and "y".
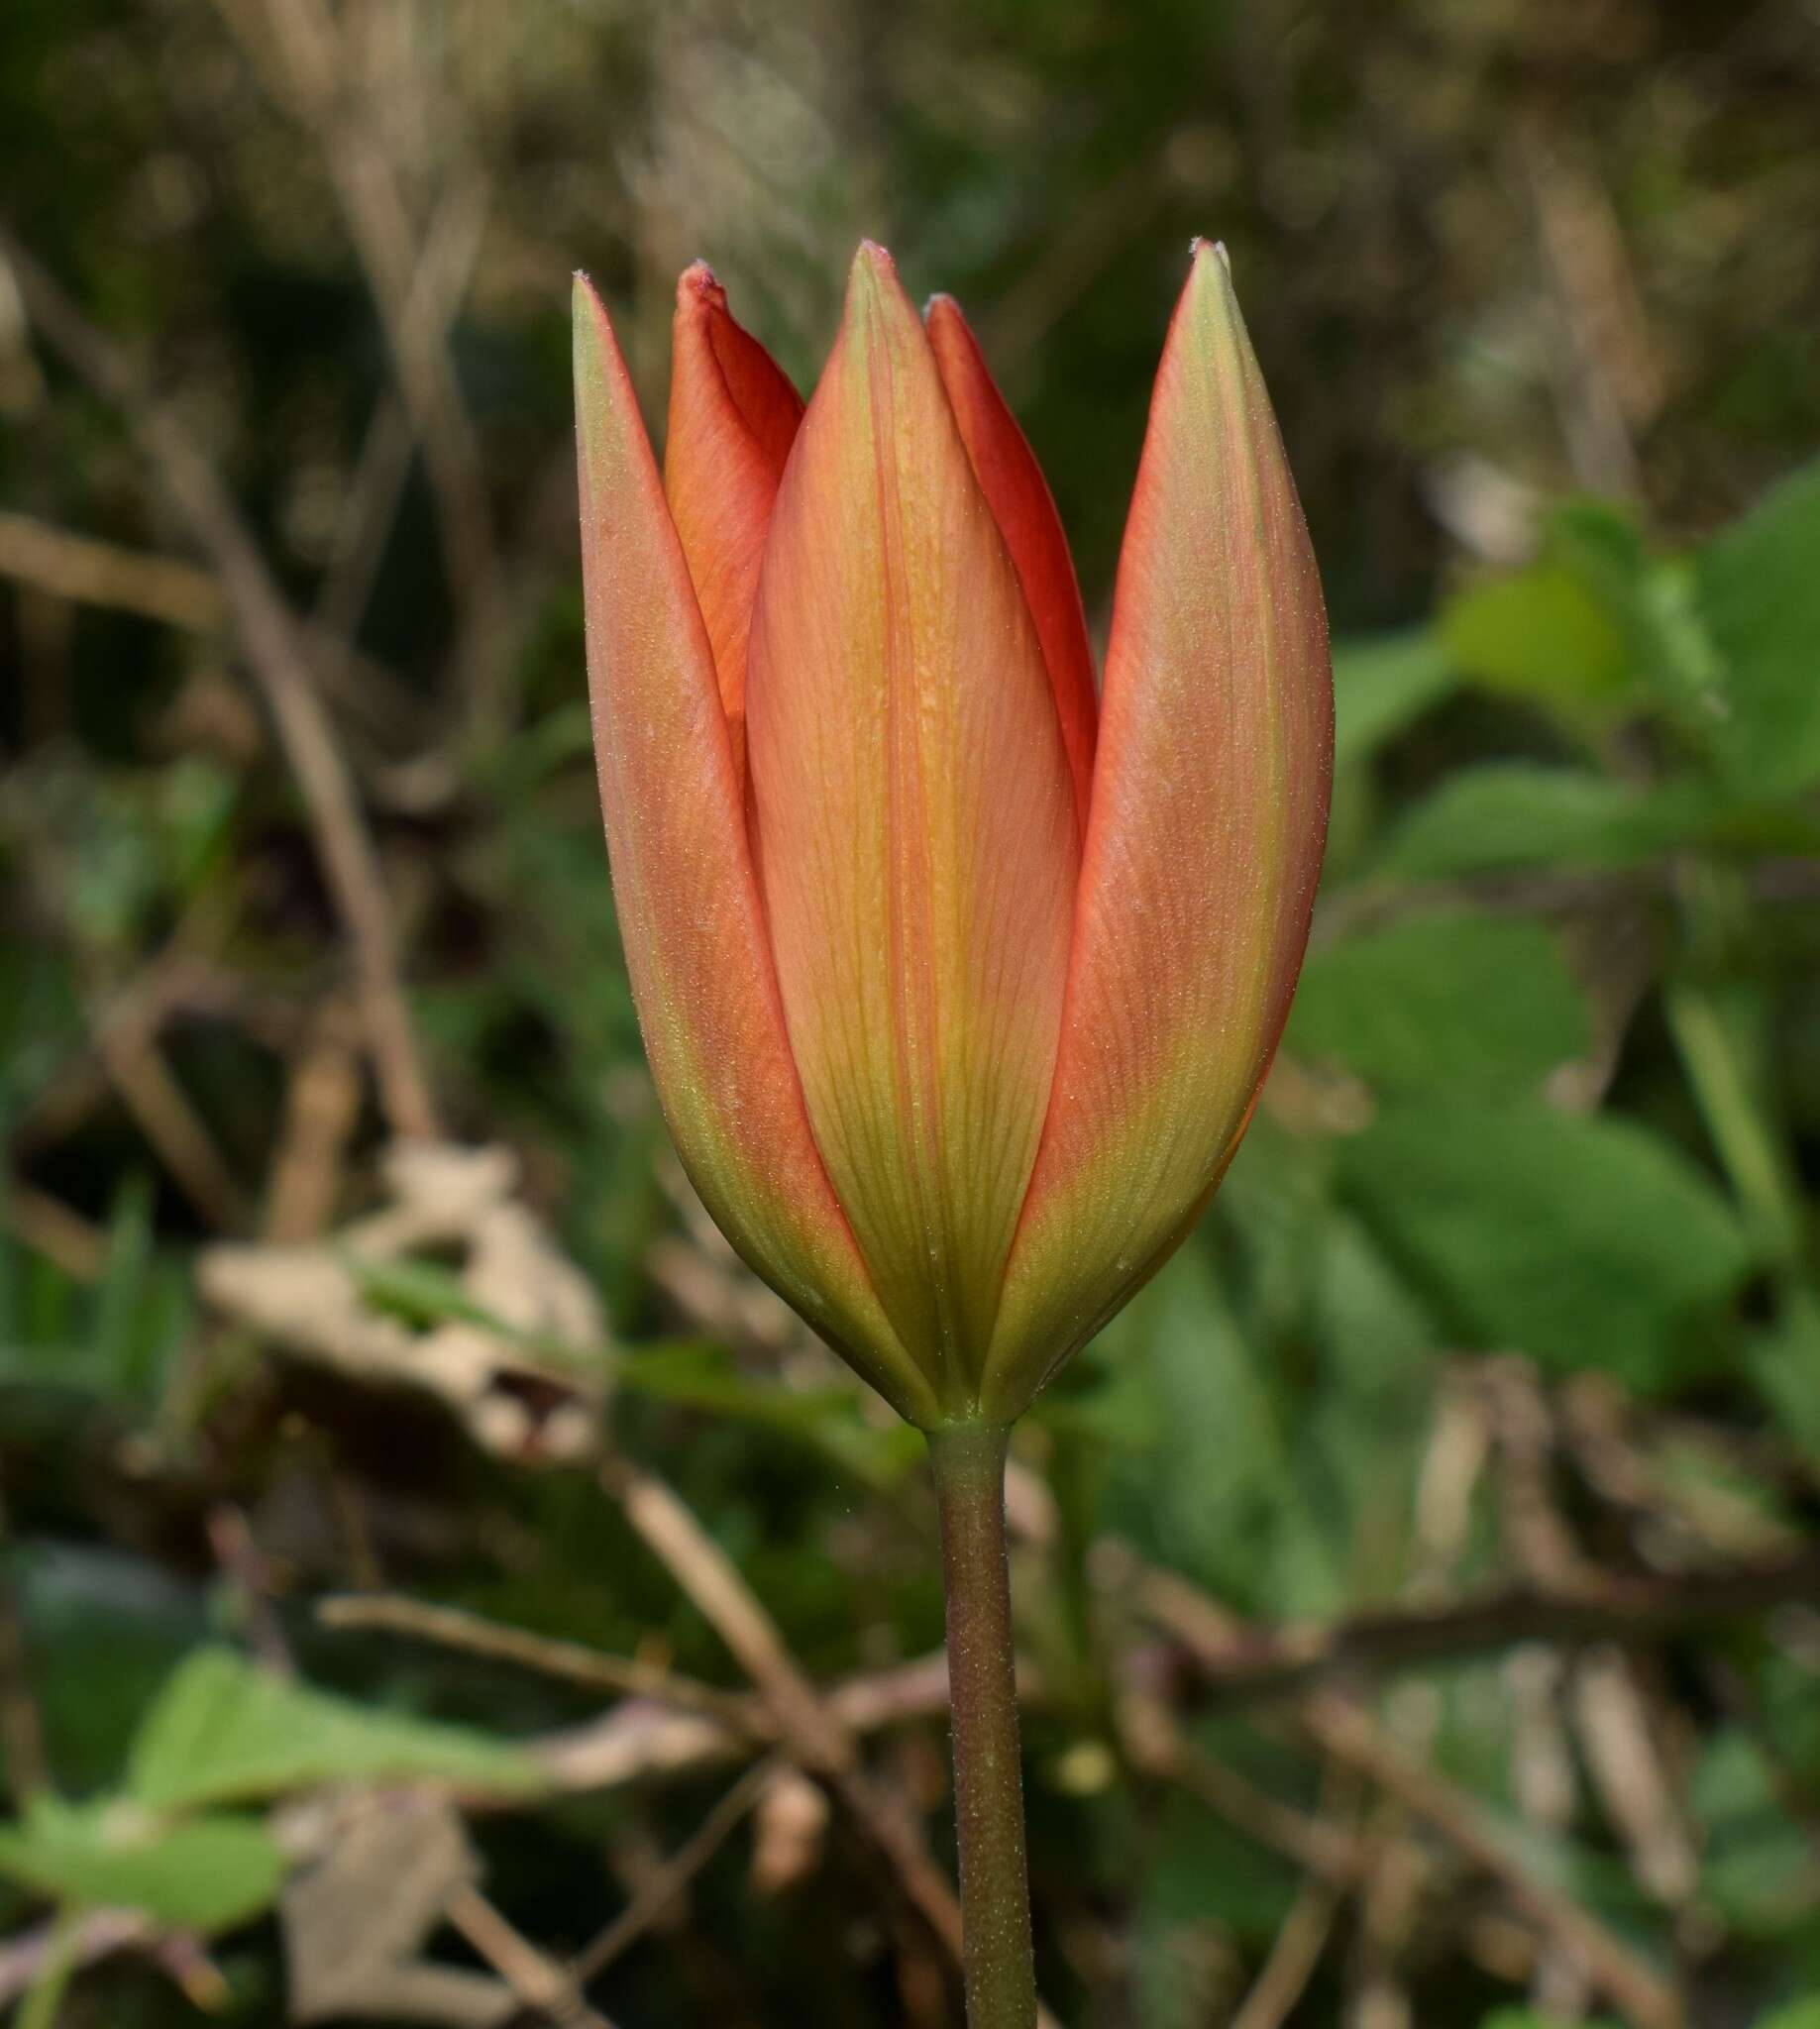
{"x": 1256, "y": 1663}
{"x": 540, "y": 1984}
{"x": 1345, "y": 1733}
{"x": 571, "y": 1661}
{"x": 449, "y": 249}
{"x": 49, "y": 1228}
{"x": 297, "y": 46}
{"x": 180, "y": 1955}
{"x": 1293, "y": 1957}
{"x": 278, "y": 653}
{"x": 671, "y": 1879}
{"x": 150, "y": 1091}
{"x": 85, "y": 572}
{"x": 808, "y": 1726}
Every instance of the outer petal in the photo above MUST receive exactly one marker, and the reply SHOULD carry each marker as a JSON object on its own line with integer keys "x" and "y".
{"x": 1024, "y": 509}
{"x": 1208, "y": 821}
{"x": 688, "y": 901}
{"x": 916, "y": 829}
{"x": 733, "y": 417}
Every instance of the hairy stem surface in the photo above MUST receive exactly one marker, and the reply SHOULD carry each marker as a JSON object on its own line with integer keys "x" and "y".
{"x": 969, "y": 1466}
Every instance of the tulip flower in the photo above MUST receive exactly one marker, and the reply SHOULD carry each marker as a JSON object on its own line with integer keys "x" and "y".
{"x": 958, "y": 972}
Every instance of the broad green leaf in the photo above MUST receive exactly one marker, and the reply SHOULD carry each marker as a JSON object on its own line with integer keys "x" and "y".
{"x": 1758, "y": 1866}
{"x": 1585, "y": 1242}
{"x": 1382, "y": 686}
{"x": 225, "y": 1732}
{"x": 1797, "y": 2015}
{"x": 1784, "y": 1361}
{"x": 1511, "y": 814}
{"x": 1756, "y": 588}
{"x": 1454, "y": 1001}
{"x": 1542, "y": 636}
{"x": 1214, "y": 1490}
{"x": 204, "y": 1873}
{"x": 1528, "y": 2018}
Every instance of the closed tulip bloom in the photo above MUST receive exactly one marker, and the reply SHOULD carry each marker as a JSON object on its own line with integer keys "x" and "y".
{"x": 958, "y": 973}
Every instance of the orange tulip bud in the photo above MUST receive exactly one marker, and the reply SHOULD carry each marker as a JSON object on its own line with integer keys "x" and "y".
{"x": 958, "y": 981}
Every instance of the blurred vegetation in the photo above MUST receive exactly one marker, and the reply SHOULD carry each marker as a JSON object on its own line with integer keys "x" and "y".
{"x": 1421, "y": 1582}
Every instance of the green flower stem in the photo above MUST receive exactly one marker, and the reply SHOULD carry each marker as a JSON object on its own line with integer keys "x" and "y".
{"x": 969, "y": 1466}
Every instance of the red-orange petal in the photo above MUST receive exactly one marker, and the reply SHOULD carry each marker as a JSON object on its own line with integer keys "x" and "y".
{"x": 1203, "y": 842}
{"x": 733, "y": 417}
{"x": 687, "y": 896}
{"x": 915, "y": 827}
{"x": 1024, "y": 509}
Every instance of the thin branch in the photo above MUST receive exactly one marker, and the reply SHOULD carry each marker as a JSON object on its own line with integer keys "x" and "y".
{"x": 86, "y": 571}
{"x": 148, "y": 1088}
{"x": 672, "y": 1878}
{"x": 808, "y": 1726}
{"x": 539, "y": 1982}
{"x": 571, "y": 1662}
{"x": 385, "y": 464}
{"x": 278, "y": 654}
{"x": 640, "y": 1742}
{"x": 1347, "y": 1734}
{"x": 309, "y": 79}
{"x": 1157, "y": 1748}
{"x": 1246, "y": 1662}
{"x": 1284, "y": 1976}
{"x": 49, "y": 1228}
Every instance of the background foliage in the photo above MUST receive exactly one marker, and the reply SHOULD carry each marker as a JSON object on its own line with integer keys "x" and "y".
{"x": 1419, "y": 1582}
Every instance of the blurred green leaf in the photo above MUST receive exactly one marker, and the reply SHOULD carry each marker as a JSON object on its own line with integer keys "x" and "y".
{"x": 205, "y": 1874}
{"x": 1380, "y": 686}
{"x": 1758, "y": 1864}
{"x": 1516, "y": 814}
{"x": 1215, "y": 1492}
{"x": 1797, "y": 2015}
{"x": 1786, "y": 1362}
{"x": 1528, "y": 2018}
{"x": 422, "y": 1294}
{"x": 226, "y": 1731}
{"x": 1585, "y": 1242}
{"x": 1449, "y": 1002}
{"x": 1540, "y": 635}
{"x": 1758, "y": 590}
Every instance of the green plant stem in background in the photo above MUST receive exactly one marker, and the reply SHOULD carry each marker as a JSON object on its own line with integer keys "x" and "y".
{"x": 44, "y": 1998}
{"x": 969, "y": 1466}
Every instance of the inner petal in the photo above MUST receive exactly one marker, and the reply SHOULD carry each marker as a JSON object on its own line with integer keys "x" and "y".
{"x": 915, "y": 822}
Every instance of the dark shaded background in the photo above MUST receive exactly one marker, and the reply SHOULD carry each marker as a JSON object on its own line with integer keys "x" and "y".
{"x": 1486, "y": 1404}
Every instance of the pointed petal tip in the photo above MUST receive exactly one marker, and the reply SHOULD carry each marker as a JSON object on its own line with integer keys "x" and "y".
{"x": 872, "y": 265}
{"x": 698, "y": 284}
{"x": 1210, "y": 259}
{"x": 592, "y": 328}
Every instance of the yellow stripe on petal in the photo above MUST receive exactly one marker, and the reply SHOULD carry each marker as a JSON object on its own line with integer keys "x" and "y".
{"x": 1207, "y": 825}
{"x": 686, "y": 897}
{"x": 916, "y": 829}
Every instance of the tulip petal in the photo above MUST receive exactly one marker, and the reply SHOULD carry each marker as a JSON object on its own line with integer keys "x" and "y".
{"x": 733, "y": 417}
{"x": 916, "y": 829}
{"x": 1022, "y": 504}
{"x": 1204, "y": 843}
{"x": 687, "y": 895}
